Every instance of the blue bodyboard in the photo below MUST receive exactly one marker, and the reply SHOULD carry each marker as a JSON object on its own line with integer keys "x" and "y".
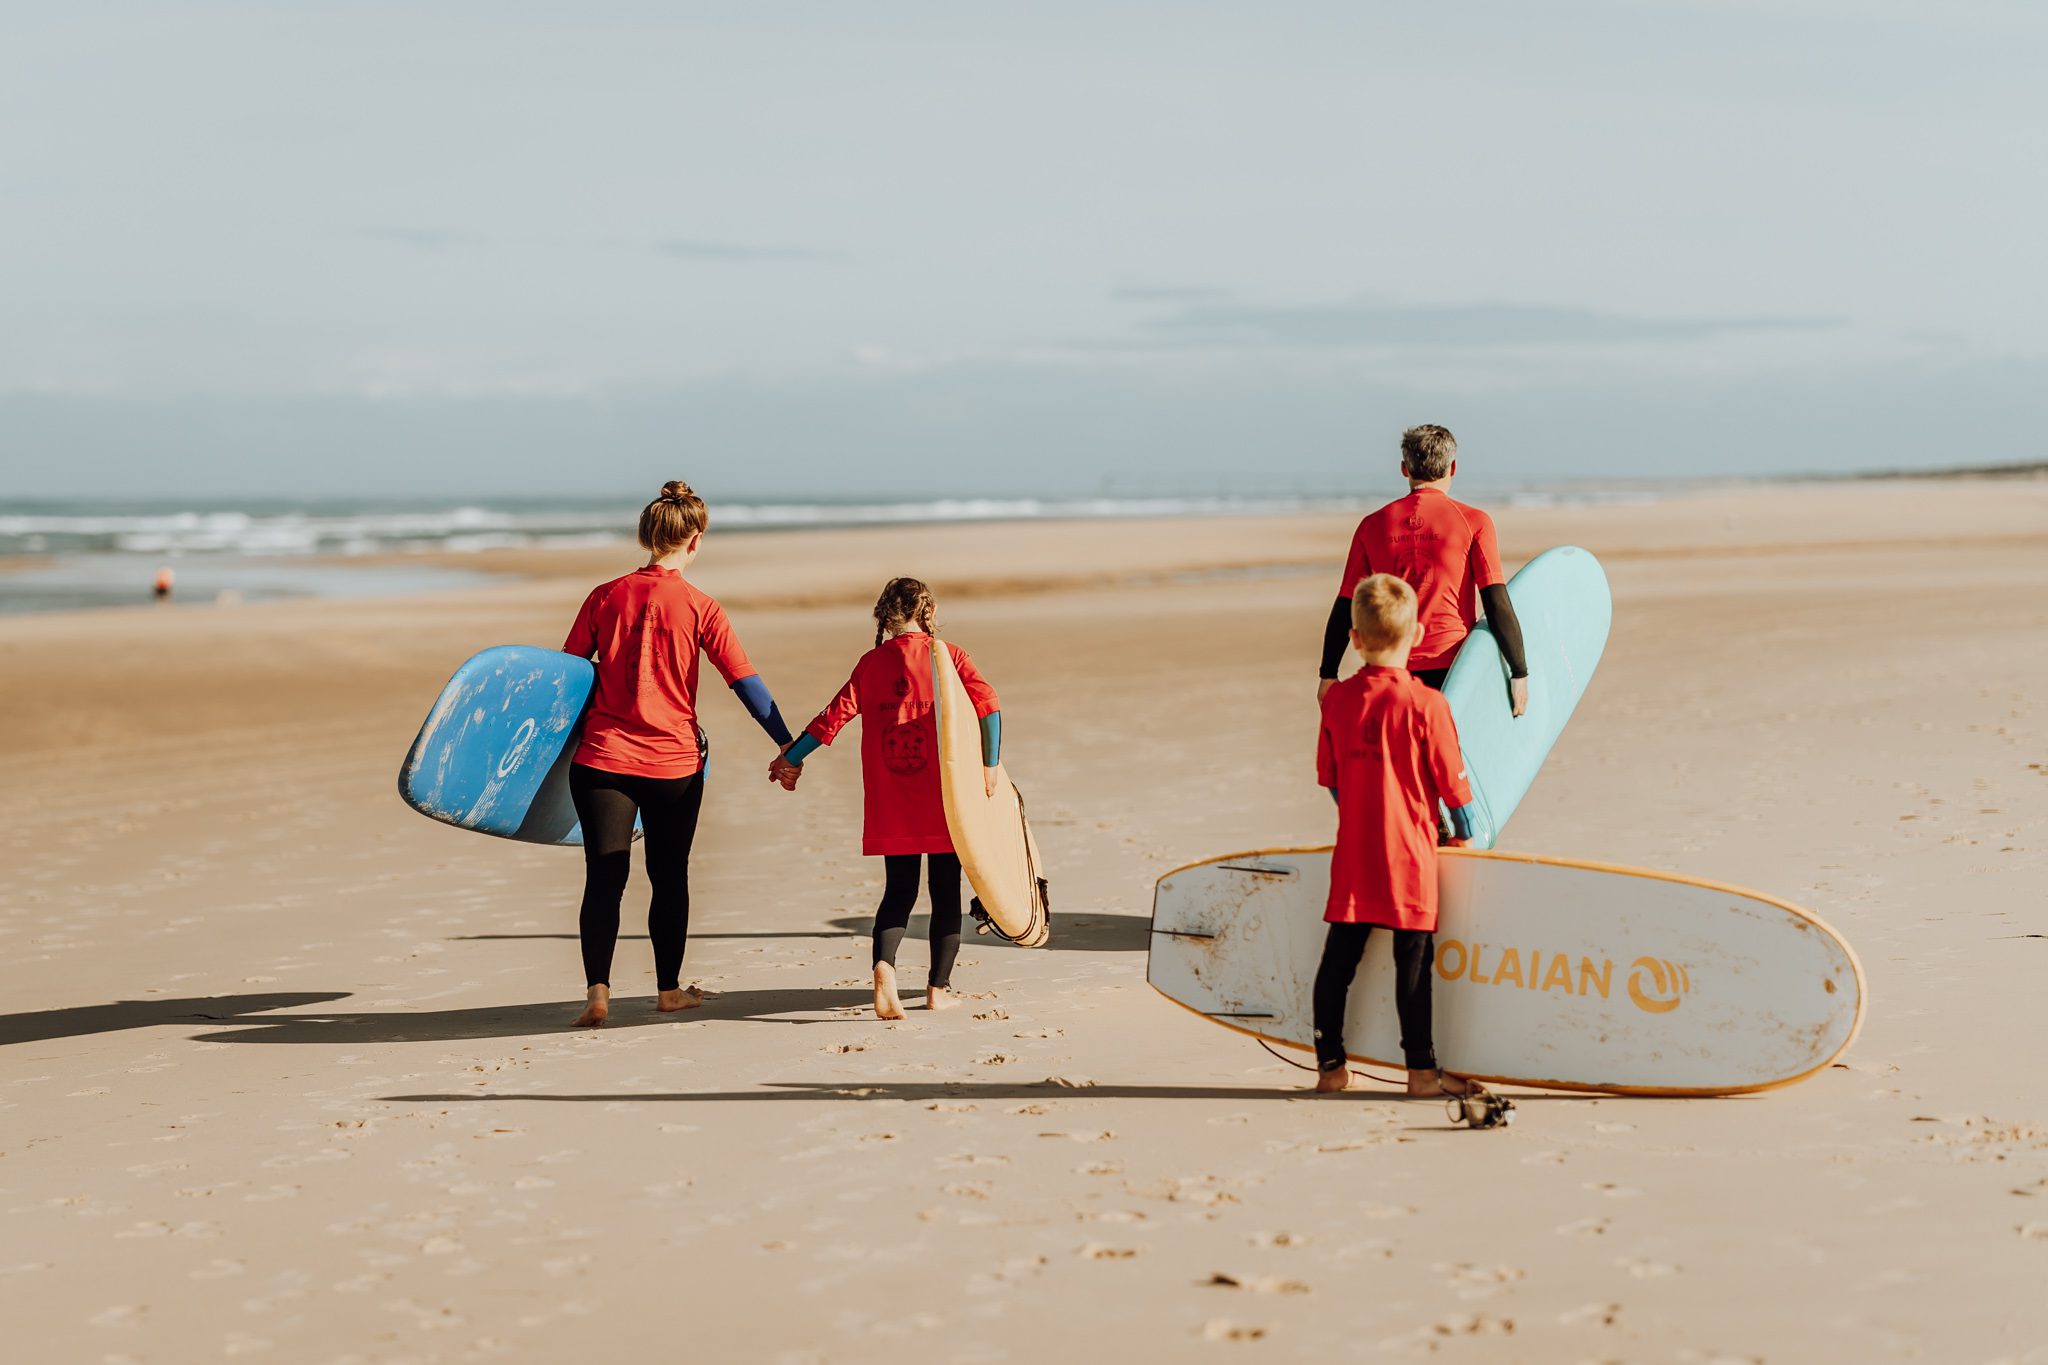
{"x": 1564, "y": 607}
{"x": 494, "y": 754}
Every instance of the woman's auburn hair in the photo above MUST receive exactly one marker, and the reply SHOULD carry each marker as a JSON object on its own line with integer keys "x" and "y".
{"x": 675, "y": 515}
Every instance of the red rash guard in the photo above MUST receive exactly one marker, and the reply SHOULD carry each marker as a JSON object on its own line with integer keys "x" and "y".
{"x": 1445, "y": 550}
{"x": 1389, "y": 749}
{"x": 891, "y": 692}
{"x": 645, "y": 631}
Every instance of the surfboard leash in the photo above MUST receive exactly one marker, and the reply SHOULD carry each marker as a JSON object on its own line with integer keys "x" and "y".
{"x": 1383, "y": 1080}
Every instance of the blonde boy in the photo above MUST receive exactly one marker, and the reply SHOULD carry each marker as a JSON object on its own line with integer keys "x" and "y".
{"x": 1388, "y": 752}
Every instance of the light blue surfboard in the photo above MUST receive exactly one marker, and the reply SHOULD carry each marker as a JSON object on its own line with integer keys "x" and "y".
{"x": 1564, "y": 607}
{"x": 494, "y": 754}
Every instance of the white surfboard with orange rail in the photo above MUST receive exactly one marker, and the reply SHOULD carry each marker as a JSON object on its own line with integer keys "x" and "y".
{"x": 1548, "y": 972}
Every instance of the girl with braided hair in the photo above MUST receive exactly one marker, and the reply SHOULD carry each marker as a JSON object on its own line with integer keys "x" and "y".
{"x": 891, "y": 691}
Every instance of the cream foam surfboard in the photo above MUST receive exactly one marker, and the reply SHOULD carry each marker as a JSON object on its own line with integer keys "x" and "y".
{"x": 989, "y": 832}
{"x": 1548, "y": 972}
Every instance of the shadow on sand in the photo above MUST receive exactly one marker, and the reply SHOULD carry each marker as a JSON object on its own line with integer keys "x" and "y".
{"x": 954, "y": 1090}
{"x": 642, "y": 938}
{"x": 1097, "y": 933}
{"x": 522, "y": 1021}
{"x": 83, "y": 1020}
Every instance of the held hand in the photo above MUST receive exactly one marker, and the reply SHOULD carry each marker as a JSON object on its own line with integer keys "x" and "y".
{"x": 781, "y": 770}
{"x": 1455, "y": 843}
{"x": 988, "y": 780}
{"x": 1323, "y": 686}
{"x": 1518, "y": 696}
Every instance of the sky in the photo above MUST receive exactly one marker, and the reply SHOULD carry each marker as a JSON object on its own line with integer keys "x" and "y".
{"x": 432, "y": 249}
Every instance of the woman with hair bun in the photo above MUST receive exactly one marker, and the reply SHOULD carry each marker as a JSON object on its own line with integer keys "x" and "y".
{"x": 891, "y": 692}
{"x": 643, "y": 752}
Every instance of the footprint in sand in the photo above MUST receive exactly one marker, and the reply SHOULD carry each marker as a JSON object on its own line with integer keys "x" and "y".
{"x": 1583, "y": 1227}
{"x": 1592, "y": 1315}
{"x": 1646, "y": 1270}
{"x": 1096, "y": 1251}
{"x": 1254, "y": 1284}
{"x": 2033, "y": 1232}
{"x": 1279, "y": 1239}
{"x": 1223, "y": 1329}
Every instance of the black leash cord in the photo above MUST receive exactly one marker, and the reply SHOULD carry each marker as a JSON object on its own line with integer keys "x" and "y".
{"x": 1383, "y": 1080}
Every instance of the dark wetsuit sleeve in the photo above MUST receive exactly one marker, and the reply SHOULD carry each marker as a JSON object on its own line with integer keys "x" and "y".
{"x": 991, "y": 739}
{"x": 754, "y": 695}
{"x": 1500, "y": 618}
{"x": 1336, "y": 635}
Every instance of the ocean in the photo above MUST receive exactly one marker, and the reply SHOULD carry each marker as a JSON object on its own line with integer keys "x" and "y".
{"x": 58, "y": 556}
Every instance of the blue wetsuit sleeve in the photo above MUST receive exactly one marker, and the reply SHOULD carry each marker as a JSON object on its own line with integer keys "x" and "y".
{"x": 1461, "y": 820}
{"x": 806, "y": 745}
{"x": 991, "y": 739}
{"x": 753, "y": 694}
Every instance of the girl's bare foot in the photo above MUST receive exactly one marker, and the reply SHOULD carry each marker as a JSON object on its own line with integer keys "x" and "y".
{"x": 1435, "y": 1085}
{"x": 1330, "y": 1082}
{"x": 598, "y": 1005}
{"x": 939, "y": 998}
{"x": 681, "y": 998}
{"x": 887, "y": 1006}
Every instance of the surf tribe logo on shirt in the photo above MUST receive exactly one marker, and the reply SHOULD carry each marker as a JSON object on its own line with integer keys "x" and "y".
{"x": 1654, "y": 985}
{"x": 906, "y": 748}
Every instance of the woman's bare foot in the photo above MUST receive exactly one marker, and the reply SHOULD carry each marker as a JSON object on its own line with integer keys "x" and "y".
{"x": 681, "y": 998}
{"x": 1330, "y": 1082}
{"x": 939, "y": 998}
{"x": 598, "y": 1005}
{"x": 887, "y": 1006}
{"x": 1436, "y": 1084}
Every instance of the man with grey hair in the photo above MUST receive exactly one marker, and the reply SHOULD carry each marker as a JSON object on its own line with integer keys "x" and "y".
{"x": 1445, "y": 550}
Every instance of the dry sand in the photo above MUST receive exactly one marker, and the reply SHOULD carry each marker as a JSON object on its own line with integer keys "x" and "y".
{"x": 284, "y": 1073}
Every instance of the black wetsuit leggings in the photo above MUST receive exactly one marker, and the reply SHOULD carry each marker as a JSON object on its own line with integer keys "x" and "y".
{"x": 899, "y": 893}
{"x": 667, "y": 806}
{"x": 1414, "y": 955}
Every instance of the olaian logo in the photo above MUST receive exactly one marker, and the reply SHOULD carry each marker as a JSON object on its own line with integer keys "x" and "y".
{"x": 1655, "y": 985}
{"x": 522, "y": 740}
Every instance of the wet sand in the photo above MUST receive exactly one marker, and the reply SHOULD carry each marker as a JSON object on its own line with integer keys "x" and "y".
{"x": 284, "y": 1073}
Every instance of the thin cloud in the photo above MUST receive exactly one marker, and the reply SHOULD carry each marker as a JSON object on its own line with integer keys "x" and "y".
{"x": 421, "y": 239}
{"x": 695, "y": 249}
{"x": 1168, "y": 293}
{"x": 1359, "y": 325}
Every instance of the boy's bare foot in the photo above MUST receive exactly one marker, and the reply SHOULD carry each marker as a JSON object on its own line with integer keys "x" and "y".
{"x": 1435, "y": 1085}
{"x": 887, "y": 1006}
{"x": 939, "y": 998}
{"x": 1330, "y": 1082}
{"x": 681, "y": 998}
{"x": 598, "y": 1004}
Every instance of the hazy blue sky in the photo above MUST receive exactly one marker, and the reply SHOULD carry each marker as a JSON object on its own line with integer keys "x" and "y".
{"x": 427, "y": 248}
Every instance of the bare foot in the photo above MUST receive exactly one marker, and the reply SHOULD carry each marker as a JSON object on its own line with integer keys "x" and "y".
{"x": 1330, "y": 1082}
{"x": 599, "y": 1004}
{"x": 682, "y": 998}
{"x": 939, "y": 998}
{"x": 887, "y": 1006}
{"x": 1435, "y": 1085}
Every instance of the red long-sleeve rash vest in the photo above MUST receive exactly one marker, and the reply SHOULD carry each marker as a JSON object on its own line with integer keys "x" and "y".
{"x": 1445, "y": 550}
{"x": 891, "y": 692}
{"x": 1389, "y": 747}
{"x": 646, "y": 631}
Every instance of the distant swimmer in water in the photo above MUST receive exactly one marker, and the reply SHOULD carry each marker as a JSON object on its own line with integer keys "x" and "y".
{"x": 891, "y": 692}
{"x": 642, "y": 751}
{"x": 164, "y": 581}
{"x": 1444, "y": 550}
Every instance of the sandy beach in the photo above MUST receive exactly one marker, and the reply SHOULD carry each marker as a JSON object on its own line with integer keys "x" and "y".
{"x": 285, "y": 1073}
